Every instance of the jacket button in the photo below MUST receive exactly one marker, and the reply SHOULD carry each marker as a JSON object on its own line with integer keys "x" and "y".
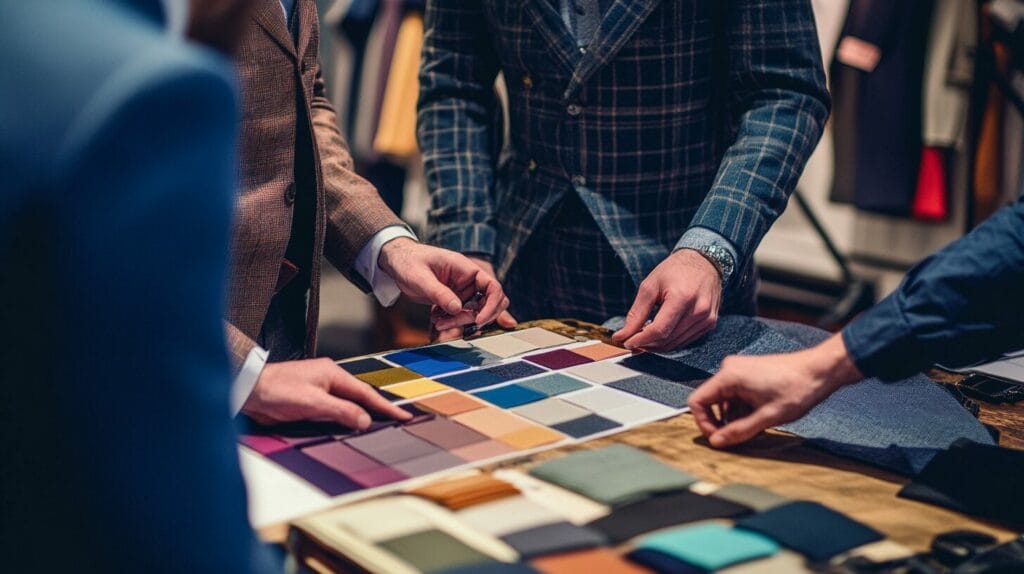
{"x": 574, "y": 109}
{"x": 527, "y": 81}
{"x": 289, "y": 194}
{"x": 531, "y": 165}
{"x": 579, "y": 180}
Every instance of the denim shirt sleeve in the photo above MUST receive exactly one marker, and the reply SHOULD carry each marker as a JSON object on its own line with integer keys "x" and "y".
{"x": 959, "y": 306}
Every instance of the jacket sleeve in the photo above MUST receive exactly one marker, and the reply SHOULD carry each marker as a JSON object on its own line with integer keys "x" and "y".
{"x": 777, "y": 103}
{"x": 456, "y": 107}
{"x": 354, "y": 210}
{"x": 142, "y": 251}
{"x": 959, "y": 306}
{"x": 239, "y": 345}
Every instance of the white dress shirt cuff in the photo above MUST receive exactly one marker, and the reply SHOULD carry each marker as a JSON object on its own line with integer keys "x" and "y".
{"x": 384, "y": 287}
{"x": 246, "y": 379}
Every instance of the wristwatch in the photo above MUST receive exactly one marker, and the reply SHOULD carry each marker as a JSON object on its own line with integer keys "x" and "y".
{"x": 719, "y": 257}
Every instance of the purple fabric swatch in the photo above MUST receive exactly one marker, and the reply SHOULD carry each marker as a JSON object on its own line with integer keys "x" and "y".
{"x": 378, "y": 477}
{"x": 323, "y": 477}
{"x": 558, "y": 359}
{"x": 439, "y": 460}
{"x": 341, "y": 457}
{"x": 391, "y": 445}
{"x": 446, "y": 433}
{"x": 263, "y": 444}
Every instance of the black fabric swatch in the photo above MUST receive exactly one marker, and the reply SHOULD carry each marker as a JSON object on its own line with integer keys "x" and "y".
{"x": 662, "y": 563}
{"x": 551, "y": 538}
{"x": 811, "y": 529}
{"x": 978, "y": 479}
{"x": 663, "y": 511}
{"x": 585, "y": 426}
{"x": 667, "y": 369}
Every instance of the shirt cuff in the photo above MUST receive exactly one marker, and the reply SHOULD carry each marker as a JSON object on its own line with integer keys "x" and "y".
{"x": 246, "y": 379}
{"x": 384, "y": 287}
{"x": 699, "y": 238}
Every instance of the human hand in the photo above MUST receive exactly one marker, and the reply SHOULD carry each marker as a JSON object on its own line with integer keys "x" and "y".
{"x": 443, "y": 278}
{"x": 754, "y": 393}
{"x": 440, "y": 320}
{"x": 315, "y": 389}
{"x": 688, "y": 288}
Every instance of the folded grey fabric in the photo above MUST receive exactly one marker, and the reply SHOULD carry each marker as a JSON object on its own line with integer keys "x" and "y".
{"x": 899, "y": 426}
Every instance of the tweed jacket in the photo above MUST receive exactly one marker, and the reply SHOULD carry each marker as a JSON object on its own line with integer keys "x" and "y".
{"x": 679, "y": 113}
{"x": 271, "y": 68}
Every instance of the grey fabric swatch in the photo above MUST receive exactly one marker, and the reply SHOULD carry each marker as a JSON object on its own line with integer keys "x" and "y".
{"x": 655, "y": 389}
{"x": 551, "y": 538}
{"x": 753, "y": 497}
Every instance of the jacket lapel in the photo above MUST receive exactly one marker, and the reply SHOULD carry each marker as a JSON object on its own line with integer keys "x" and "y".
{"x": 550, "y": 26}
{"x": 306, "y": 13}
{"x": 269, "y": 15}
{"x": 617, "y": 28}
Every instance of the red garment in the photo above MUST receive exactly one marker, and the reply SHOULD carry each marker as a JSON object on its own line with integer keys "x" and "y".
{"x": 931, "y": 199}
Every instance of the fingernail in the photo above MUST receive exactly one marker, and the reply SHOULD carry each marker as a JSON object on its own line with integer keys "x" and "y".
{"x": 363, "y": 421}
{"x": 716, "y": 441}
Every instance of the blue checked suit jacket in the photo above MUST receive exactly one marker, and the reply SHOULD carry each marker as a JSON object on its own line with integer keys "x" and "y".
{"x": 682, "y": 113}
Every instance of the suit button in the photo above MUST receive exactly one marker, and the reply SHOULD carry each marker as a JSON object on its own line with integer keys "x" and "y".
{"x": 574, "y": 109}
{"x": 289, "y": 194}
{"x": 527, "y": 81}
{"x": 305, "y": 66}
{"x": 579, "y": 180}
{"x": 531, "y": 166}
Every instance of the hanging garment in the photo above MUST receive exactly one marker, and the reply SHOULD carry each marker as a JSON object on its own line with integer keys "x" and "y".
{"x": 396, "y": 131}
{"x": 988, "y": 154}
{"x": 931, "y": 201}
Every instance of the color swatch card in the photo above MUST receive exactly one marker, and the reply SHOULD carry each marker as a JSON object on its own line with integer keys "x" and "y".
{"x": 475, "y": 402}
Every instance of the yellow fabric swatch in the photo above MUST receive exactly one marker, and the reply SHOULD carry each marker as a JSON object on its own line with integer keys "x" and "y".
{"x": 388, "y": 377}
{"x": 416, "y": 388}
{"x": 396, "y": 130}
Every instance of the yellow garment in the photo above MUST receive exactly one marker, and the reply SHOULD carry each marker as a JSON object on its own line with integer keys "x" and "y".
{"x": 396, "y": 130}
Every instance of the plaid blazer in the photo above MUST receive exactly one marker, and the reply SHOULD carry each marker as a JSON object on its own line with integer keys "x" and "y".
{"x": 678, "y": 114}
{"x": 348, "y": 209}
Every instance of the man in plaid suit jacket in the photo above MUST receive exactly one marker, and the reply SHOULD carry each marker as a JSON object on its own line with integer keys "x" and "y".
{"x": 651, "y": 145}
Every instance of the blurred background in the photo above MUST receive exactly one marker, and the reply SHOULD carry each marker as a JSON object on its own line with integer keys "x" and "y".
{"x": 926, "y": 139}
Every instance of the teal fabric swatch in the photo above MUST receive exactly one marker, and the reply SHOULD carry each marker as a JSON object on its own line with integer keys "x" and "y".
{"x": 554, "y": 384}
{"x": 613, "y": 475}
{"x": 710, "y": 546}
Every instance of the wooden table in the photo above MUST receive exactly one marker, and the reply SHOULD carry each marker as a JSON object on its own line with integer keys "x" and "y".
{"x": 784, "y": 464}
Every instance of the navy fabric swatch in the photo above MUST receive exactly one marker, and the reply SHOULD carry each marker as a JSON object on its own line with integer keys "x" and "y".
{"x": 585, "y": 426}
{"x": 662, "y": 563}
{"x": 667, "y": 369}
{"x": 891, "y": 425}
{"x": 551, "y": 538}
{"x": 323, "y": 477}
{"x": 974, "y": 479}
{"x": 360, "y": 366}
{"x": 513, "y": 371}
{"x": 663, "y": 511}
{"x": 811, "y": 529}
{"x": 409, "y": 357}
{"x": 510, "y": 396}
{"x": 471, "y": 380}
{"x": 655, "y": 389}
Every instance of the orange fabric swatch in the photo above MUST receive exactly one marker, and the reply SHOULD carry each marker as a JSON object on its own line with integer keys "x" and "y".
{"x": 449, "y": 404}
{"x": 600, "y": 351}
{"x": 465, "y": 492}
{"x": 594, "y": 560}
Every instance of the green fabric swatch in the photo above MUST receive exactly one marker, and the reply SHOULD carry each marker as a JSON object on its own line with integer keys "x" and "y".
{"x": 614, "y": 475}
{"x": 433, "y": 551}
{"x": 710, "y": 546}
{"x": 753, "y": 497}
{"x": 554, "y": 384}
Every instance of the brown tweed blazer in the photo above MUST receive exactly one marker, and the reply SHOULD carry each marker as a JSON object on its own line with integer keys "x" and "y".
{"x": 348, "y": 209}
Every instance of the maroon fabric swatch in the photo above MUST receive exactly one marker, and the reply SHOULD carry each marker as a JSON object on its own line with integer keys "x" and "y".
{"x": 558, "y": 359}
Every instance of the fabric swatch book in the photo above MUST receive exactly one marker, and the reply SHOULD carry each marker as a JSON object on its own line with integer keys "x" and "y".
{"x": 474, "y": 402}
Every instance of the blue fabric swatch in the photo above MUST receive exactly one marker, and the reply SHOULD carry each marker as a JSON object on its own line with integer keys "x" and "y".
{"x": 439, "y": 366}
{"x": 471, "y": 380}
{"x": 811, "y": 529}
{"x": 510, "y": 396}
{"x": 513, "y": 371}
{"x": 586, "y": 426}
